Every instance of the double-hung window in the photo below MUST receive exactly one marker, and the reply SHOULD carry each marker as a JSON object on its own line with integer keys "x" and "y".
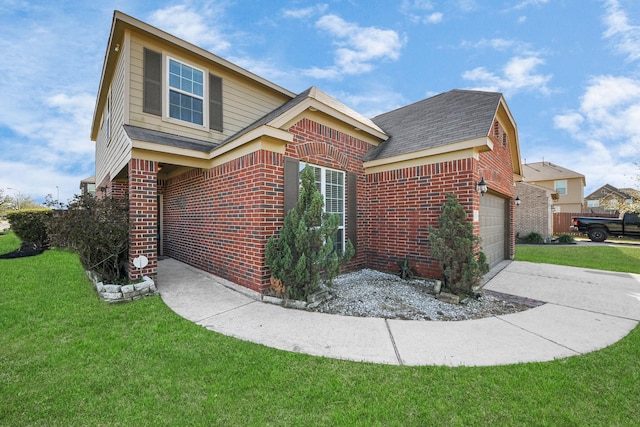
{"x": 330, "y": 183}
{"x": 186, "y": 92}
{"x": 561, "y": 186}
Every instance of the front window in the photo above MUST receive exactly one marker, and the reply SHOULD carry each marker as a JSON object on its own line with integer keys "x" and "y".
{"x": 561, "y": 186}
{"x": 186, "y": 92}
{"x": 593, "y": 203}
{"x": 330, "y": 183}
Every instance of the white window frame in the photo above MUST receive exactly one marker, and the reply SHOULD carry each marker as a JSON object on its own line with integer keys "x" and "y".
{"x": 323, "y": 190}
{"x": 593, "y": 203}
{"x": 167, "y": 94}
{"x": 557, "y": 187}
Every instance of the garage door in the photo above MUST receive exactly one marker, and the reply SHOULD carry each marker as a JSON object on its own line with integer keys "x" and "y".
{"x": 493, "y": 227}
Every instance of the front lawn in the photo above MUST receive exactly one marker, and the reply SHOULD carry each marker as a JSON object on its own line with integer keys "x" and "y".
{"x": 613, "y": 258}
{"x": 67, "y": 358}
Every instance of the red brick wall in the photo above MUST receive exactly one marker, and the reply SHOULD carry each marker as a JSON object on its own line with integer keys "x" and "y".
{"x": 109, "y": 188}
{"x": 324, "y": 146}
{"x": 143, "y": 216}
{"x": 219, "y": 220}
{"x": 497, "y": 169}
{"x": 404, "y": 203}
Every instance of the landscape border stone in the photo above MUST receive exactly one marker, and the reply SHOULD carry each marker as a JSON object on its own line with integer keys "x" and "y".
{"x": 123, "y": 293}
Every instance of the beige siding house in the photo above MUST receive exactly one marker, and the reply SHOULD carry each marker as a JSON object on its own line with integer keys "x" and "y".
{"x": 567, "y": 185}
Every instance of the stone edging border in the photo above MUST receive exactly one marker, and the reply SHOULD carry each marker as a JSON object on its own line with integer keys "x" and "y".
{"x": 123, "y": 293}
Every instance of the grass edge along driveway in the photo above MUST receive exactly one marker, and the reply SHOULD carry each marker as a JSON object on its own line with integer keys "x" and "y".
{"x": 67, "y": 358}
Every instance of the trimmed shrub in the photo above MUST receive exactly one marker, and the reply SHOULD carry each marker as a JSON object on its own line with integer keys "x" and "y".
{"x": 534, "y": 238}
{"x": 566, "y": 239}
{"x": 98, "y": 231}
{"x": 30, "y": 225}
{"x": 304, "y": 253}
{"x": 457, "y": 248}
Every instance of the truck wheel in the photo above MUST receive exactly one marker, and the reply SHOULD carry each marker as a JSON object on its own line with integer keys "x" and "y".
{"x": 598, "y": 235}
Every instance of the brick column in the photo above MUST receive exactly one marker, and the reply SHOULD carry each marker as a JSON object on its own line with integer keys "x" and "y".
{"x": 143, "y": 216}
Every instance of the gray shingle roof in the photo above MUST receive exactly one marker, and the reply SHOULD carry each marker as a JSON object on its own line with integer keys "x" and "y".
{"x": 171, "y": 140}
{"x": 454, "y": 116}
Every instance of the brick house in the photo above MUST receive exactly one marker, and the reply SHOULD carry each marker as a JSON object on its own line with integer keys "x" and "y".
{"x": 209, "y": 154}
{"x": 535, "y": 213}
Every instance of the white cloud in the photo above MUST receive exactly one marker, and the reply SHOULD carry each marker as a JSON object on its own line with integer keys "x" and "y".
{"x": 420, "y": 11}
{"x": 609, "y": 109}
{"x": 607, "y": 124}
{"x": 203, "y": 27}
{"x": 306, "y": 12}
{"x": 499, "y": 44}
{"x": 625, "y": 36}
{"x": 518, "y": 75}
{"x": 358, "y": 48}
{"x": 527, "y": 3}
{"x": 434, "y": 18}
{"x": 375, "y": 100}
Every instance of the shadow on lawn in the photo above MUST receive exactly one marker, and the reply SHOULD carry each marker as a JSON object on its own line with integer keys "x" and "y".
{"x": 25, "y": 250}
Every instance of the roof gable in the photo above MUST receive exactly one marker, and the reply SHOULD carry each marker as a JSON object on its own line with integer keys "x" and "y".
{"x": 450, "y": 117}
{"x": 546, "y": 171}
{"x": 316, "y": 100}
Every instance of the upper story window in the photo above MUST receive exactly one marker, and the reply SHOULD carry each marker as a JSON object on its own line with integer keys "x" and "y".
{"x": 593, "y": 203}
{"x": 183, "y": 92}
{"x": 186, "y": 92}
{"x": 561, "y": 186}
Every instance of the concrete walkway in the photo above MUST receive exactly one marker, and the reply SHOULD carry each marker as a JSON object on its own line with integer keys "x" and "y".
{"x": 585, "y": 310}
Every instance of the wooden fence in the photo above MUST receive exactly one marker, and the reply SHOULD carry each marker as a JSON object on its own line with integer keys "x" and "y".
{"x": 562, "y": 221}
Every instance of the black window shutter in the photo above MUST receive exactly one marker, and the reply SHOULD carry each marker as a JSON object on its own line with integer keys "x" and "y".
{"x": 291, "y": 183}
{"x": 352, "y": 209}
{"x": 215, "y": 102}
{"x": 152, "y": 96}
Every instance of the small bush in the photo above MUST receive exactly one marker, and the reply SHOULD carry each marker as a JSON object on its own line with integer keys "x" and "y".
{"x": 457, "y": 248}
{"x": 534, "y": 238}
{"x": 98, "y": 230}
{"x": 304, "y": 253}
{"x": 30, "y": 225}
{"x": 566, "y": 239}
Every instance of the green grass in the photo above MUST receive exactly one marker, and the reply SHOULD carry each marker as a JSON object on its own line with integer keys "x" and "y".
{"x": 67, "y": 358}
{"x": 613, "y": 258}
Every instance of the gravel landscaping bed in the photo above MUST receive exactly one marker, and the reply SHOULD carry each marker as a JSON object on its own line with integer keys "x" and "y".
{"x": 370, "y": 293}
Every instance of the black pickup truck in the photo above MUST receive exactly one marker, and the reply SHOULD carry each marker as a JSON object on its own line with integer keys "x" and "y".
{"x": 598, "y": 229}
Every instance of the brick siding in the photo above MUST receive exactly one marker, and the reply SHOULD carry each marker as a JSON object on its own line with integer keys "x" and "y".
{"x": 143, "y": 216}
{"x": 219, "y": 220}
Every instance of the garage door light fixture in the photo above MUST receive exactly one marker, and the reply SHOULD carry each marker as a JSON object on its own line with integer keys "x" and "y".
{"x": 518, "y": 201}
{"x": 481, "y": 186}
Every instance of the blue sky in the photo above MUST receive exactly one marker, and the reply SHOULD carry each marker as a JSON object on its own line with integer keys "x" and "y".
{"x": 569, "y": 69}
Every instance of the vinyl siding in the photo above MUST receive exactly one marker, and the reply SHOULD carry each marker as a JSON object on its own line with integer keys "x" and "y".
{"x": 243, "y": 101}
{"x": 113, "y": 155}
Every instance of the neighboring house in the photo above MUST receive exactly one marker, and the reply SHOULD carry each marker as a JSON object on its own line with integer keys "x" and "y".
{"x": 607, "y": 198}
{"x": 567, "y": 185}
{"x": 88, "y": 186}
{"x": 535, "y": 211}
{"x": 209, "y": 156}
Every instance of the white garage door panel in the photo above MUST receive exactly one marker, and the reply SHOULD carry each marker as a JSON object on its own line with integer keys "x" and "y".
{"x": 493, "y": 228}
